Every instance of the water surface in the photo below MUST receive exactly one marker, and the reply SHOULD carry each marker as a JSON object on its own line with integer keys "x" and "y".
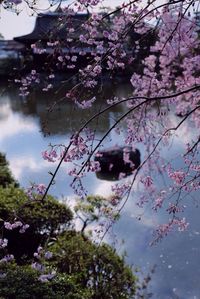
{"x": 26, "y": 130}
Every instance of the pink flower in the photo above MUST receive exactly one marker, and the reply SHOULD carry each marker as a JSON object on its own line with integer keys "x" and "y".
{"x": 41, "y": 188}
{"x": 158, "y": 203}
{"x": 7, "y": 258}
{"x": 37, "y": 266}
{"x": 60, "y": 58}
{"x": 177, "y": 176}
{"x": 148, "y": 181}
{"x": 48, "y": 255}
{"x": 3, "y": 243}
{"x": 46, "y": 277}
{"x": 8, "y": 225}
{"x": 181, "y": 223}
{"x": 24, "y": 228}
{"x": 121, "y": 175}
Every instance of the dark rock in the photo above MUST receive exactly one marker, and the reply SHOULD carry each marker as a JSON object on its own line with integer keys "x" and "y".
{"x": 117, "y": 162}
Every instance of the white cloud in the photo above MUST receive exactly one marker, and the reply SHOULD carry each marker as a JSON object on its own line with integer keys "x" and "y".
{"x": 103, "y": 188}
{"x": 18, "y": 165}
{"x": 184, "y": 134}
{"x": 12, "y": 124}
{"x": 29, "y": 164}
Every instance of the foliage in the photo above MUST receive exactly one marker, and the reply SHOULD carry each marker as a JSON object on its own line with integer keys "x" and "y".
{"x": 81, "y": 270}
{"x": 93, "y": 208}
{"x": 99, "y": 269}
{"x": 6, "y": 178}
{"x": 44, "y": 219}
{"x": 48, "y": 216}
{"x": 21, "y": 282}
{"x": 165, "y": 85}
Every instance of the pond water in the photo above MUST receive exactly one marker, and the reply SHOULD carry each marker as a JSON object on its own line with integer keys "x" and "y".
{"x": 24, "y": 134}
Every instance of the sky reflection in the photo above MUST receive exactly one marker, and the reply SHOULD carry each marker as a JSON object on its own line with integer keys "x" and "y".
{"x": 177, "y": 256}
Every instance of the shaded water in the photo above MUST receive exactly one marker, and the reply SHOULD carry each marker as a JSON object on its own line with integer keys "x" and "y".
{"x": 24, "y": 129}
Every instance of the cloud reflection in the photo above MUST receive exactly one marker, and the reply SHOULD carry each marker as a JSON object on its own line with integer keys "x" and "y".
{"x": 12, "y": 124}
{"x": 19, "y": 165}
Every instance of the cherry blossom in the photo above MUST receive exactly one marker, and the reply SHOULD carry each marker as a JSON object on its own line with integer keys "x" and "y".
{"x": 157, "y": 46}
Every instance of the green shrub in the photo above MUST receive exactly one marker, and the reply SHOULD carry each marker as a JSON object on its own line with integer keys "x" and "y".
{"x": 6, "y": 177}
{"x": 98, "y": 268}
{"x": 21, "y": 282}
{"x": 44, "y": 218}
{"x": 83, "y": 270}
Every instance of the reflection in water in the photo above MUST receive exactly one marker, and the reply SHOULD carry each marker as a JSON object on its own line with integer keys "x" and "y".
{"x": 65, "y": 117}
{"x": 107, "y": 176}
{"x": 117, "y": 162}
{"x": 22, "y": 139}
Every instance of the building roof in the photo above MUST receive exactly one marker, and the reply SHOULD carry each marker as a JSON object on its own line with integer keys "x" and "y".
{"x": 53, "y": 26}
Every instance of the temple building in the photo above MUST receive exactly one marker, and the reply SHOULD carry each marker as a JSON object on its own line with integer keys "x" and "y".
{"x": 54, "y": 26}
{"x": 60, "y": 41}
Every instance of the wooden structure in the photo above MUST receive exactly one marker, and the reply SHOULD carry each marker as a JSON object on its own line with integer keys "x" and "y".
{"x": 52, "y": 37}
{"x": 53, "y": 26}
{"x": 57, "y": 35}
{"x": 66, "y": 29}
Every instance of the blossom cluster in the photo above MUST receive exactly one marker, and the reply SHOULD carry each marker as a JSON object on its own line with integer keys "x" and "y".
{"x": 35, "y": 191}
{"x": 164, "y": 229}
{"x": 161, "y": 68}
{"x": 7, "y": 258}
{"x": 17, "y": 224}
{"x": 28, "y": 82}
{"x": 3, "y": 243}
{"x": 41, "y": 255}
